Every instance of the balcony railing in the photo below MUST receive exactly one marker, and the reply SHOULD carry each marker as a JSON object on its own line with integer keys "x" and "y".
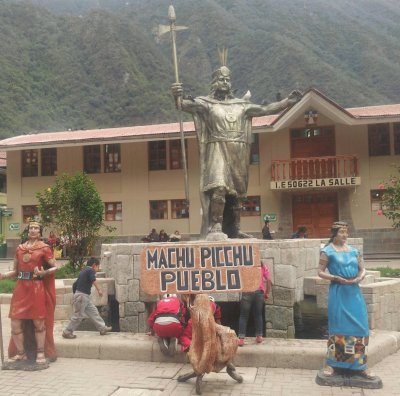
{"x": 314, "y": 168}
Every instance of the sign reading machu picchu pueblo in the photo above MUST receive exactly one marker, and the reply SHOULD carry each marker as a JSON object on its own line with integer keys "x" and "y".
{"x": 200, "y": 268}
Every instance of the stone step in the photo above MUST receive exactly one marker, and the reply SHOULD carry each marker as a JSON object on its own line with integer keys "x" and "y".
{"x": 290, "y": 353}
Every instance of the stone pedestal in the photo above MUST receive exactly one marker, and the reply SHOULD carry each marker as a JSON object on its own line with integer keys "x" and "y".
{"x": 289, "y": 262}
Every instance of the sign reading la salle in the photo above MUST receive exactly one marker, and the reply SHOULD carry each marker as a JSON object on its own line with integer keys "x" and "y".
{"x": 197, "y": 268}
{"x": 316, "y": 183}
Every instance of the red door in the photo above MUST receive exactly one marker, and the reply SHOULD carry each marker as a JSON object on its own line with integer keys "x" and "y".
{"x": 317, "y": 212}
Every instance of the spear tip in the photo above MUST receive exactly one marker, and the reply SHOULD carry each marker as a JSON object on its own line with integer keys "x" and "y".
{"x": 171, "y": 13}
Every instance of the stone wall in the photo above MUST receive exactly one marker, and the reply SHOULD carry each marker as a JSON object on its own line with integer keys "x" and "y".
{"x": 64, "y": 296}
{"x": 382, "y": 296}
{"x": 289, "y": 261}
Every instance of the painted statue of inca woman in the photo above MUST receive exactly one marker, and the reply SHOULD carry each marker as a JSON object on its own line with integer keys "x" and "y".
{"x": 33, "y": 301}
{"x": 223, "y": 127}
{"x": 347, "y": 313}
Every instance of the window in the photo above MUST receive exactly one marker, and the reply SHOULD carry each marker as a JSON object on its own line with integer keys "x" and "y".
{"x": 3, "y": 182}
{"x": 49, "y": 161}
{"x": 113, "y": 211}
{"x": 376, "y": 199}
{"x": 396, "y": 130}
{"x": 251, "y": 206}
{"x": 91, "y": 159}
{"x": 254, "y": 149}
{"x": 311, "y": 132}
{"x": 112, "y": 158}
{"x": 158, "y": 210}
{"x": 158, "y": 155}
{"x": 179, "y": 209}
{"x": 29, "y": 163}
{"x": 378, "y": 139}
{"x": 175, "y": 154}
{"x": 29, "y": 212}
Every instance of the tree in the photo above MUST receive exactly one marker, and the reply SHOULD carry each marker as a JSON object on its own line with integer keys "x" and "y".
{"x": 391, "y": 199}
{"x": 74, "y": 209}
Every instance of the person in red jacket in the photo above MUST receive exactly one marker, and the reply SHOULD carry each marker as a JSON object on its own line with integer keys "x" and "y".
{"x": 167, "y": 321}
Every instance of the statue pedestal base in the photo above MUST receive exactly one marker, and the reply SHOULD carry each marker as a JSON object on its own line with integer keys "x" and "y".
{"x": 24, "y": 365}
{"x": 216, "y": 236}
{"x": 348, "y": 378}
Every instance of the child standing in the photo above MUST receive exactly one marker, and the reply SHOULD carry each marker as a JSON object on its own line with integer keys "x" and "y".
{"x": 83, "y": 306}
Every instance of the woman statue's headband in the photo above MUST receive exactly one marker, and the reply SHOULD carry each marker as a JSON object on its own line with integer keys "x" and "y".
{"x": 339, "y": 224}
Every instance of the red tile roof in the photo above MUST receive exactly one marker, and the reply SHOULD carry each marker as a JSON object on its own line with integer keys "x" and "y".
{"x": 376, "y": 111}
{"x": 147, "y": 132}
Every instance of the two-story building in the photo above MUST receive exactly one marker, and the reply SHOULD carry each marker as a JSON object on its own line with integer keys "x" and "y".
{"x": 310, "y": 165}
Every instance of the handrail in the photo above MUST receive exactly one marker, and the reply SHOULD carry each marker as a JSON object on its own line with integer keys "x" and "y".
{"x": 314, "y": 168}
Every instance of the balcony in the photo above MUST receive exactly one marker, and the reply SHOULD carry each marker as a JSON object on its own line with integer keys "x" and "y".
{"x": 330, "y": 171}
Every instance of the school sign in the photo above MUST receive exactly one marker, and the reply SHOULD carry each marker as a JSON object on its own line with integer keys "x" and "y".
{"x": 316, "y": 183}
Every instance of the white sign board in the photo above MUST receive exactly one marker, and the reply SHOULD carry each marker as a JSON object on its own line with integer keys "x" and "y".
{"x": 316, "y": 183}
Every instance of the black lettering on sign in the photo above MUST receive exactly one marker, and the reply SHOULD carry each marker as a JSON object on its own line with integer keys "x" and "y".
{"x": 233, "y": 279}
{"x": 195, "y": 280}
{"x": 166, "y": 277}
{"x": 182, "y": 282}
{"x": 205, "y": 254}
{"x": 207, "y": 280}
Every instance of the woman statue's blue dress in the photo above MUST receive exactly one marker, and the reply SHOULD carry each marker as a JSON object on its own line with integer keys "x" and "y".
{"x": 347, "y": 313}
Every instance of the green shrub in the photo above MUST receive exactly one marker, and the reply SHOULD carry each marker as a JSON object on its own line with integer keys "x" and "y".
{"x": 7, "y": 285}
{"x": 67, "y": 271}
{"x": 388, "y": 272}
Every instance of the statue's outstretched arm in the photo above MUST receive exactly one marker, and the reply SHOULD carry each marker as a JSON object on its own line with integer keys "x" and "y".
{"x": 274, "y": 108}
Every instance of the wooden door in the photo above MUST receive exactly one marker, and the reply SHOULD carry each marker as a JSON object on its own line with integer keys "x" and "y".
{"x": 317, "y": 212}
{"x": 313, "y": 142}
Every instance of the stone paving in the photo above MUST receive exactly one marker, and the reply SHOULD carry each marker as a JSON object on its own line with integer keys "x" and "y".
{"x": 75, "y": 377}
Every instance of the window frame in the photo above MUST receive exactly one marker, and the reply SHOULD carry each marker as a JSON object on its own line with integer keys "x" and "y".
{"x": 178, "y": 206}
{"x": 113, "y": 211}
{"x": 376, "y": 198}
{"x": 34, "y": 213}
{"x": 48, "y": 161}
{"x": 376, "y": 134}
{"x": 27, "y": 169}
{"x": 92, "y": 154}
{"x": 112, "y": 158}
{"x": 157, "y": 155}
{"x": 175, "y": 146}
{"x": 163, "y": 209}
{"x": 255, "y": 149}
{"x": 249, "y": 206}
{"x": 396, "y": 138}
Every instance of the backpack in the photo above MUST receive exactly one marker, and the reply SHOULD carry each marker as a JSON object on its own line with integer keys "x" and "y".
{"x": 170, "y": 306}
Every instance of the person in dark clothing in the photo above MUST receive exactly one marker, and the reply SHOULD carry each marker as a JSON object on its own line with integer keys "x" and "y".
{"x": 83, "y": 306}
{"x": 266, "y": 233}
{"x": 163, "y": 236}
{"x": 152, "y": 237}
{"x": 300, "y": 233}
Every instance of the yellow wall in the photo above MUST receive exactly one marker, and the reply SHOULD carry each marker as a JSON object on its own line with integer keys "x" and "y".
{"x": 135, "y": 185}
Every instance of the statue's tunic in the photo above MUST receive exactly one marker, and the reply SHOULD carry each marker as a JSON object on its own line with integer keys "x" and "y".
{"x": 226, "y": 138}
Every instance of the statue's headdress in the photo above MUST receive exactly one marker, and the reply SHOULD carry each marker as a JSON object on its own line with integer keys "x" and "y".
{"x": 223, "y": 70}
{"x": 36, "y": 223}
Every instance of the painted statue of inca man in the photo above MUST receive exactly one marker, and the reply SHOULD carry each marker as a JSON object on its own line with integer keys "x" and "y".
{"x": 223, "y": 127}
{"x": 213, "y": 346}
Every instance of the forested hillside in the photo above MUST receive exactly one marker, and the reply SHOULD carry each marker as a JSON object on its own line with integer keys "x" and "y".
{"x": 72, "y": 64}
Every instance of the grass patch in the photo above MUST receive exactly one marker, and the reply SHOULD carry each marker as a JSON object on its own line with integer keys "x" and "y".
{"x": 388, "y": 272}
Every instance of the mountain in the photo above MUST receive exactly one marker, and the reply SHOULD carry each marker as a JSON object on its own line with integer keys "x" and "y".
{"x": 79, "y": 64}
